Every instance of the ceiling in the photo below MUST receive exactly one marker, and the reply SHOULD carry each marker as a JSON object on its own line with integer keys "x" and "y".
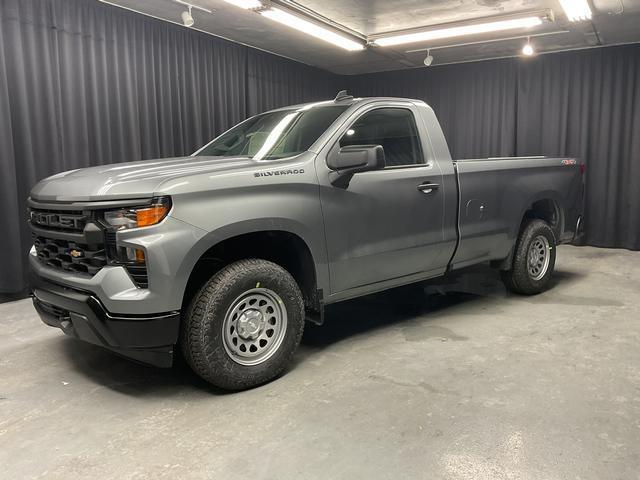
{"x": 614, "y": 22}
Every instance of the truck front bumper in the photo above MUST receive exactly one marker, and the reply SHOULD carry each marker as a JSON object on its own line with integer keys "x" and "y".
{"x": 148, "y": 339}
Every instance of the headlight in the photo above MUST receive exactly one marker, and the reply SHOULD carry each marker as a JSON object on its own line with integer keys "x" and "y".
{"x": 135, "y": 217}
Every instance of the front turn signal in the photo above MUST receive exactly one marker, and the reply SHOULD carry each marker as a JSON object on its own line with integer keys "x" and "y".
{"x": 152, "y": 215}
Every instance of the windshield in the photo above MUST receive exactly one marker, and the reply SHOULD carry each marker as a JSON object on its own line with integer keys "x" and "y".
{"x": 274, "y": 135}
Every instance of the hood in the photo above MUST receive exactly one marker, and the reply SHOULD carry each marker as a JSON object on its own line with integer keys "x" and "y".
{"x": 130, "y": 180}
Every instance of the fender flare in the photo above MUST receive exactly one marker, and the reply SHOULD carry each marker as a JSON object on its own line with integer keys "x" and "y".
{"x": 551, "y": 195}
{"x": 213, "y": 238}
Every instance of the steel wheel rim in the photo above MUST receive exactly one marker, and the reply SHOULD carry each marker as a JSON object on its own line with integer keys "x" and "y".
{"x": 538, "y": 257}
{"x": 254, "y": 326}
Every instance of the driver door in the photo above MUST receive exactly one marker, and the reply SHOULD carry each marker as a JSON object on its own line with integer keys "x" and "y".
{"x": 383, "y": 229}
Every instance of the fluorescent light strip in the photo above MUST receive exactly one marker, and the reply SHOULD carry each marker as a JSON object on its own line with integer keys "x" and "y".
{"x": 472, "y": 29}
{"x": 246, "y": 4}
{"x": 576, "y": 10}
{"x": 312, "y": 29}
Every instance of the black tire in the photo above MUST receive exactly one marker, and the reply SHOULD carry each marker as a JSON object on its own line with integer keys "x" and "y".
{"x": 203, "y": 341}
{"x": 519, "y": 278}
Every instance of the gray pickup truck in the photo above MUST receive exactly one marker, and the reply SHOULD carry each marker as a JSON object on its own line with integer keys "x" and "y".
{"x": 227, "y": 252}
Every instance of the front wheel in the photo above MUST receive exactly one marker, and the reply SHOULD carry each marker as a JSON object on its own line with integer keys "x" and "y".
{"x": 244, "y": 325}
{"x": 533, "y": 260}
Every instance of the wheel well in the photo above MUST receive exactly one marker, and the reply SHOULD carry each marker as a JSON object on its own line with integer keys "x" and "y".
{"x": 283, "y": 248}
{"x": 546, "y": 210}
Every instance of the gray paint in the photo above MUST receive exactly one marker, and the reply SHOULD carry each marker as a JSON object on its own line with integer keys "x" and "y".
{"x": 381, "y": 227}
{"x": 379, "y": 232}
{"x": 167, "y": 247}
{"x": 506, "y": 188}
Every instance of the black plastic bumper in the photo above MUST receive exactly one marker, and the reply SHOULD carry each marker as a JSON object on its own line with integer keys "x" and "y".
{"x": 147, "y": 339}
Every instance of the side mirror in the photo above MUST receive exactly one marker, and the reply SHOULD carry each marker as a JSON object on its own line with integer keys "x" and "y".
{"x": 352, "y": 159}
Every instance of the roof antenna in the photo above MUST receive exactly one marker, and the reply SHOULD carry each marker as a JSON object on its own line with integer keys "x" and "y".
{"x": 342, "y": 95}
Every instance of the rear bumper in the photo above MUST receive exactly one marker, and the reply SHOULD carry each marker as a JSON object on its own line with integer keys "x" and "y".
{"x": 145, "y": 338}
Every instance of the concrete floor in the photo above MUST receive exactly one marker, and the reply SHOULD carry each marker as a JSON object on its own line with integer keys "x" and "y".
{"x": 479, "y": 385}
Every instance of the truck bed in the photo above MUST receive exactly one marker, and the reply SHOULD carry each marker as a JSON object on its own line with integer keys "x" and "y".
{"x": 495, "y": 193}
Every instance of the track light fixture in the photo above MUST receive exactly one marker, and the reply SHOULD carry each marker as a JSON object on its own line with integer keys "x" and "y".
{"x": 322, "y": 29}
{"x": 187, "y": 15}
{"x": 187, "y": 18}
{"x": 429, "y": 58}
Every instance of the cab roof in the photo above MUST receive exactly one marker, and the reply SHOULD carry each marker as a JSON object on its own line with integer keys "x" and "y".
{"x": 350, "y": 101}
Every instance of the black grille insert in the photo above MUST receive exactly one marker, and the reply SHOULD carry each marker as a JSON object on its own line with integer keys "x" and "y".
{"x": 118, "y": 254}
{"x": 138, "y": 274}
{"x": 70, "y": 256}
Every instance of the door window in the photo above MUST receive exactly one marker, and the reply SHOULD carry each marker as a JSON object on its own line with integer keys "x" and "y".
{"x": 394, "y": 129}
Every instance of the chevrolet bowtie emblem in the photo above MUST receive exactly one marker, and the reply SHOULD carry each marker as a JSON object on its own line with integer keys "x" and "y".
{"x": 76, "y": 253}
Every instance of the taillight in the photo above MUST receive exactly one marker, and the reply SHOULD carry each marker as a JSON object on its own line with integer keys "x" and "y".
{"x": 583, "y": 168}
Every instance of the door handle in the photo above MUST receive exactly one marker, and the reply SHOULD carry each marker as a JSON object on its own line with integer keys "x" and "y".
{"x": 428, "y": 187}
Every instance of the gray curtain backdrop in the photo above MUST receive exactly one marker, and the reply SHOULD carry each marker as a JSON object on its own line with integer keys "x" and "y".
{"x": 583, "y": 104}
{"x": 587, "y": 104}
{"x": 475, "y": 103}
{"x": 83, "y": 83}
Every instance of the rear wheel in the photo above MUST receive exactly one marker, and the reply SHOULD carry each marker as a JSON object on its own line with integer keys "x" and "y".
{"x": 244, "y": 325}
{"x": 533, "y": 260}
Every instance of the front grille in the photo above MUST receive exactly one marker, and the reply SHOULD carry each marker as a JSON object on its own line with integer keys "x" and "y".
{"x": 78, "y": 242}
{"x": 70, "y": 256}
{"x": 67, "y": 221}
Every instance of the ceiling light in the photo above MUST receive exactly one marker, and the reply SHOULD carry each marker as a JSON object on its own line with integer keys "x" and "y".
{"x": 527, "y": 49}
{"x": 187, "y": 18}
{"x": 246, "y": 4}
{"x": 429, "y": 59}
{"x": 524, "y": 22}
{"x": 576, "y": 10}
{"x": 312, "y": 29}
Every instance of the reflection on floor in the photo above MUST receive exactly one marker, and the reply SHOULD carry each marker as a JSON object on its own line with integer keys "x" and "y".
{"x": 464, "y": 381}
